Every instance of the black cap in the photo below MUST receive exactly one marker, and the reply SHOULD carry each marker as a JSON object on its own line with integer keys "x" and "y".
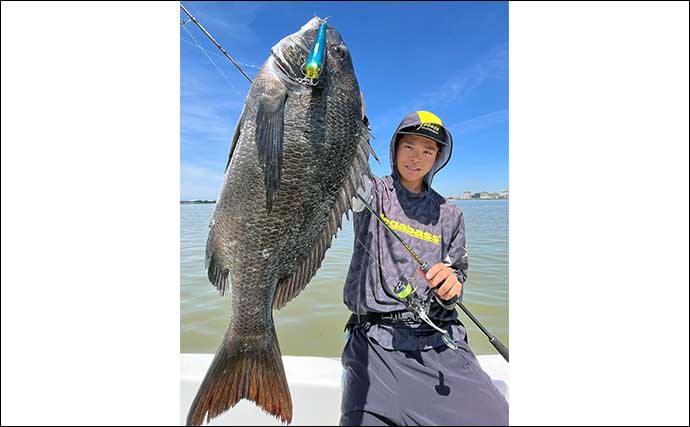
{"x": 425, "y": 124}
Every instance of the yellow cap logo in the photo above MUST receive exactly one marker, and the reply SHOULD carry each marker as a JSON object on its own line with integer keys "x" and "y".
{"x": 429, "y": 118}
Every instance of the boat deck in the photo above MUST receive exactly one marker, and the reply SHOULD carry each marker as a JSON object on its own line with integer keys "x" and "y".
{"x": 315, "y": 384}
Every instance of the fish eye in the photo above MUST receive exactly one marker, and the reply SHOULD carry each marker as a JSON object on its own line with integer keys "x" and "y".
{"x": 339, "y": 51}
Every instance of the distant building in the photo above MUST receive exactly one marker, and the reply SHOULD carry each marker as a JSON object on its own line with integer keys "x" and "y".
{"x": 484, "y": 195}
{"x": 503, "y": 194}
{"x": 467, "y": 195}
{"x": 476, "y": 195}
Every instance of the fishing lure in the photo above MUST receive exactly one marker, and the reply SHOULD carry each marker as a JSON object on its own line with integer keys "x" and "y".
{"x": 316, "y": 59}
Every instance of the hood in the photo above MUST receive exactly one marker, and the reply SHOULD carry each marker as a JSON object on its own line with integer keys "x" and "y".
{"x": 429, "y": 125}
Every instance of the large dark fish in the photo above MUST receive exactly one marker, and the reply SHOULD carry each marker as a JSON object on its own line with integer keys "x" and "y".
{"x": 299, "y": 152}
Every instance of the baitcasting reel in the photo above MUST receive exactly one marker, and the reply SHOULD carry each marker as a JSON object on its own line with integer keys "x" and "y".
{"x": 408, "y": 295}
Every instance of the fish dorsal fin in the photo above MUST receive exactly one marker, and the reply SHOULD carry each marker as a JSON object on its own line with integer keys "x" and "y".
{"x": 269, "y": 139}
{"x": 290, "y": 286}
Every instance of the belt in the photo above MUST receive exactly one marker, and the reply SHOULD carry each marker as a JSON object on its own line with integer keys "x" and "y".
{"x": 399, "y": 317}
{"x": 393, "y": 316}
{"x": 402, "y": 316}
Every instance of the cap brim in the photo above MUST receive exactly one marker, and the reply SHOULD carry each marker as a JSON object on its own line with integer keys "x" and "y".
{"x": 442, "y": 142}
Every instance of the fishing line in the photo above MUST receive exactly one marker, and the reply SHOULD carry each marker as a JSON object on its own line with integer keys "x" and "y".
{"x": 215, "y": 42}
{"x": 216, "y": 54}
{"x": 359, "y": 295}
{"x": 212, "y": 62}
{"x": 370, "y": 255}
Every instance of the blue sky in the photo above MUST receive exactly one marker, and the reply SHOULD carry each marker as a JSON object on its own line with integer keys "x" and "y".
{"x": 445, "y": 57}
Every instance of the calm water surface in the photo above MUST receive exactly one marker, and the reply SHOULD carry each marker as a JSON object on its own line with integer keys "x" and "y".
{"x": 312, "y": 323}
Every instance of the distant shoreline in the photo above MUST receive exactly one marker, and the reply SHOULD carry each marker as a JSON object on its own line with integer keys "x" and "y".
{"x": 197, "y": 202}
{"x": 485, "y": 198}
{"x": 211, "y": 202}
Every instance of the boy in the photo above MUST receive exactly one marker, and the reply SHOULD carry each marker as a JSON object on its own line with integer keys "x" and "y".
{"x": 398, "y": 371}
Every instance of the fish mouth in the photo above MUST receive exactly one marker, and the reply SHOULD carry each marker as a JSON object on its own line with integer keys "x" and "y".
{"x": 290, "y": 55}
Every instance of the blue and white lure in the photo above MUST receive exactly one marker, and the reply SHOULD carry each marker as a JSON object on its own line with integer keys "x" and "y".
{"x": 317, "y": 57}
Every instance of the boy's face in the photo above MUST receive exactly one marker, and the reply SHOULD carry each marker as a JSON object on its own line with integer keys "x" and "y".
{"x": 414, "y": 158}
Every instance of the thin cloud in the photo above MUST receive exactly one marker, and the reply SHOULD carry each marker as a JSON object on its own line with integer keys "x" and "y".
{"x": 233, "y": 26}
{"x": 208, "y": 121}
{"x": 493, "y": 65}
{"x": 205, "y": 113}
{"x": 199, "y": 182}
{"x": 221, "y": 56}
{"x": 480, "y": 122}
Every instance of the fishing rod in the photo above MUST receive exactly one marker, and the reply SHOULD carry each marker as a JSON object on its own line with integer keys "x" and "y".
{"x": 498, "y": 345}
{"x": 214, "y": 42}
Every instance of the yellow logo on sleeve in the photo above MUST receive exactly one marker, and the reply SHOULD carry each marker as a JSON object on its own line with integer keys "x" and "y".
{"x": 410, "y": 231}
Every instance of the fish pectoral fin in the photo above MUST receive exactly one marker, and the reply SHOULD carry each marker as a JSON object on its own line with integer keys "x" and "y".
{"x": 269, "y": 139}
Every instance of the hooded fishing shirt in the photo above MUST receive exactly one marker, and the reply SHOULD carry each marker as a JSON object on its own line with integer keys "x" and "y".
{"x": 432, "y": 226}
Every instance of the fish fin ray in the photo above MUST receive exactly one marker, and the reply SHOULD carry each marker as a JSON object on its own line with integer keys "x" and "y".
{"x": 235, "y": 138}
{"x": 243, "y": 368}
{"x": 269, "y": 140}
{"x": 217, "y": 271}
{"x": 218, "y": 275}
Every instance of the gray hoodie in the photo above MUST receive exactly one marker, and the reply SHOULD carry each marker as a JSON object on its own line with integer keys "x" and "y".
{"x": 433, "y": 227}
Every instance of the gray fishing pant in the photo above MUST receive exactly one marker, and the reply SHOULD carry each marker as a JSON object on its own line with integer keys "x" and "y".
{"x": 433, "y": 386}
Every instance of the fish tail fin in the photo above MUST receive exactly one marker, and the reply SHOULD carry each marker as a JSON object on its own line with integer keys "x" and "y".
{"x": 244, "y": 368}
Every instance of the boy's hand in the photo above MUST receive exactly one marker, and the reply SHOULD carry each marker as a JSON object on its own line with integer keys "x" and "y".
{"x": 441, "y": 274}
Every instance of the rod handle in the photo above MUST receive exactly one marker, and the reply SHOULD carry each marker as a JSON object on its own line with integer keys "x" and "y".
{"x": 498, "y": 345}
